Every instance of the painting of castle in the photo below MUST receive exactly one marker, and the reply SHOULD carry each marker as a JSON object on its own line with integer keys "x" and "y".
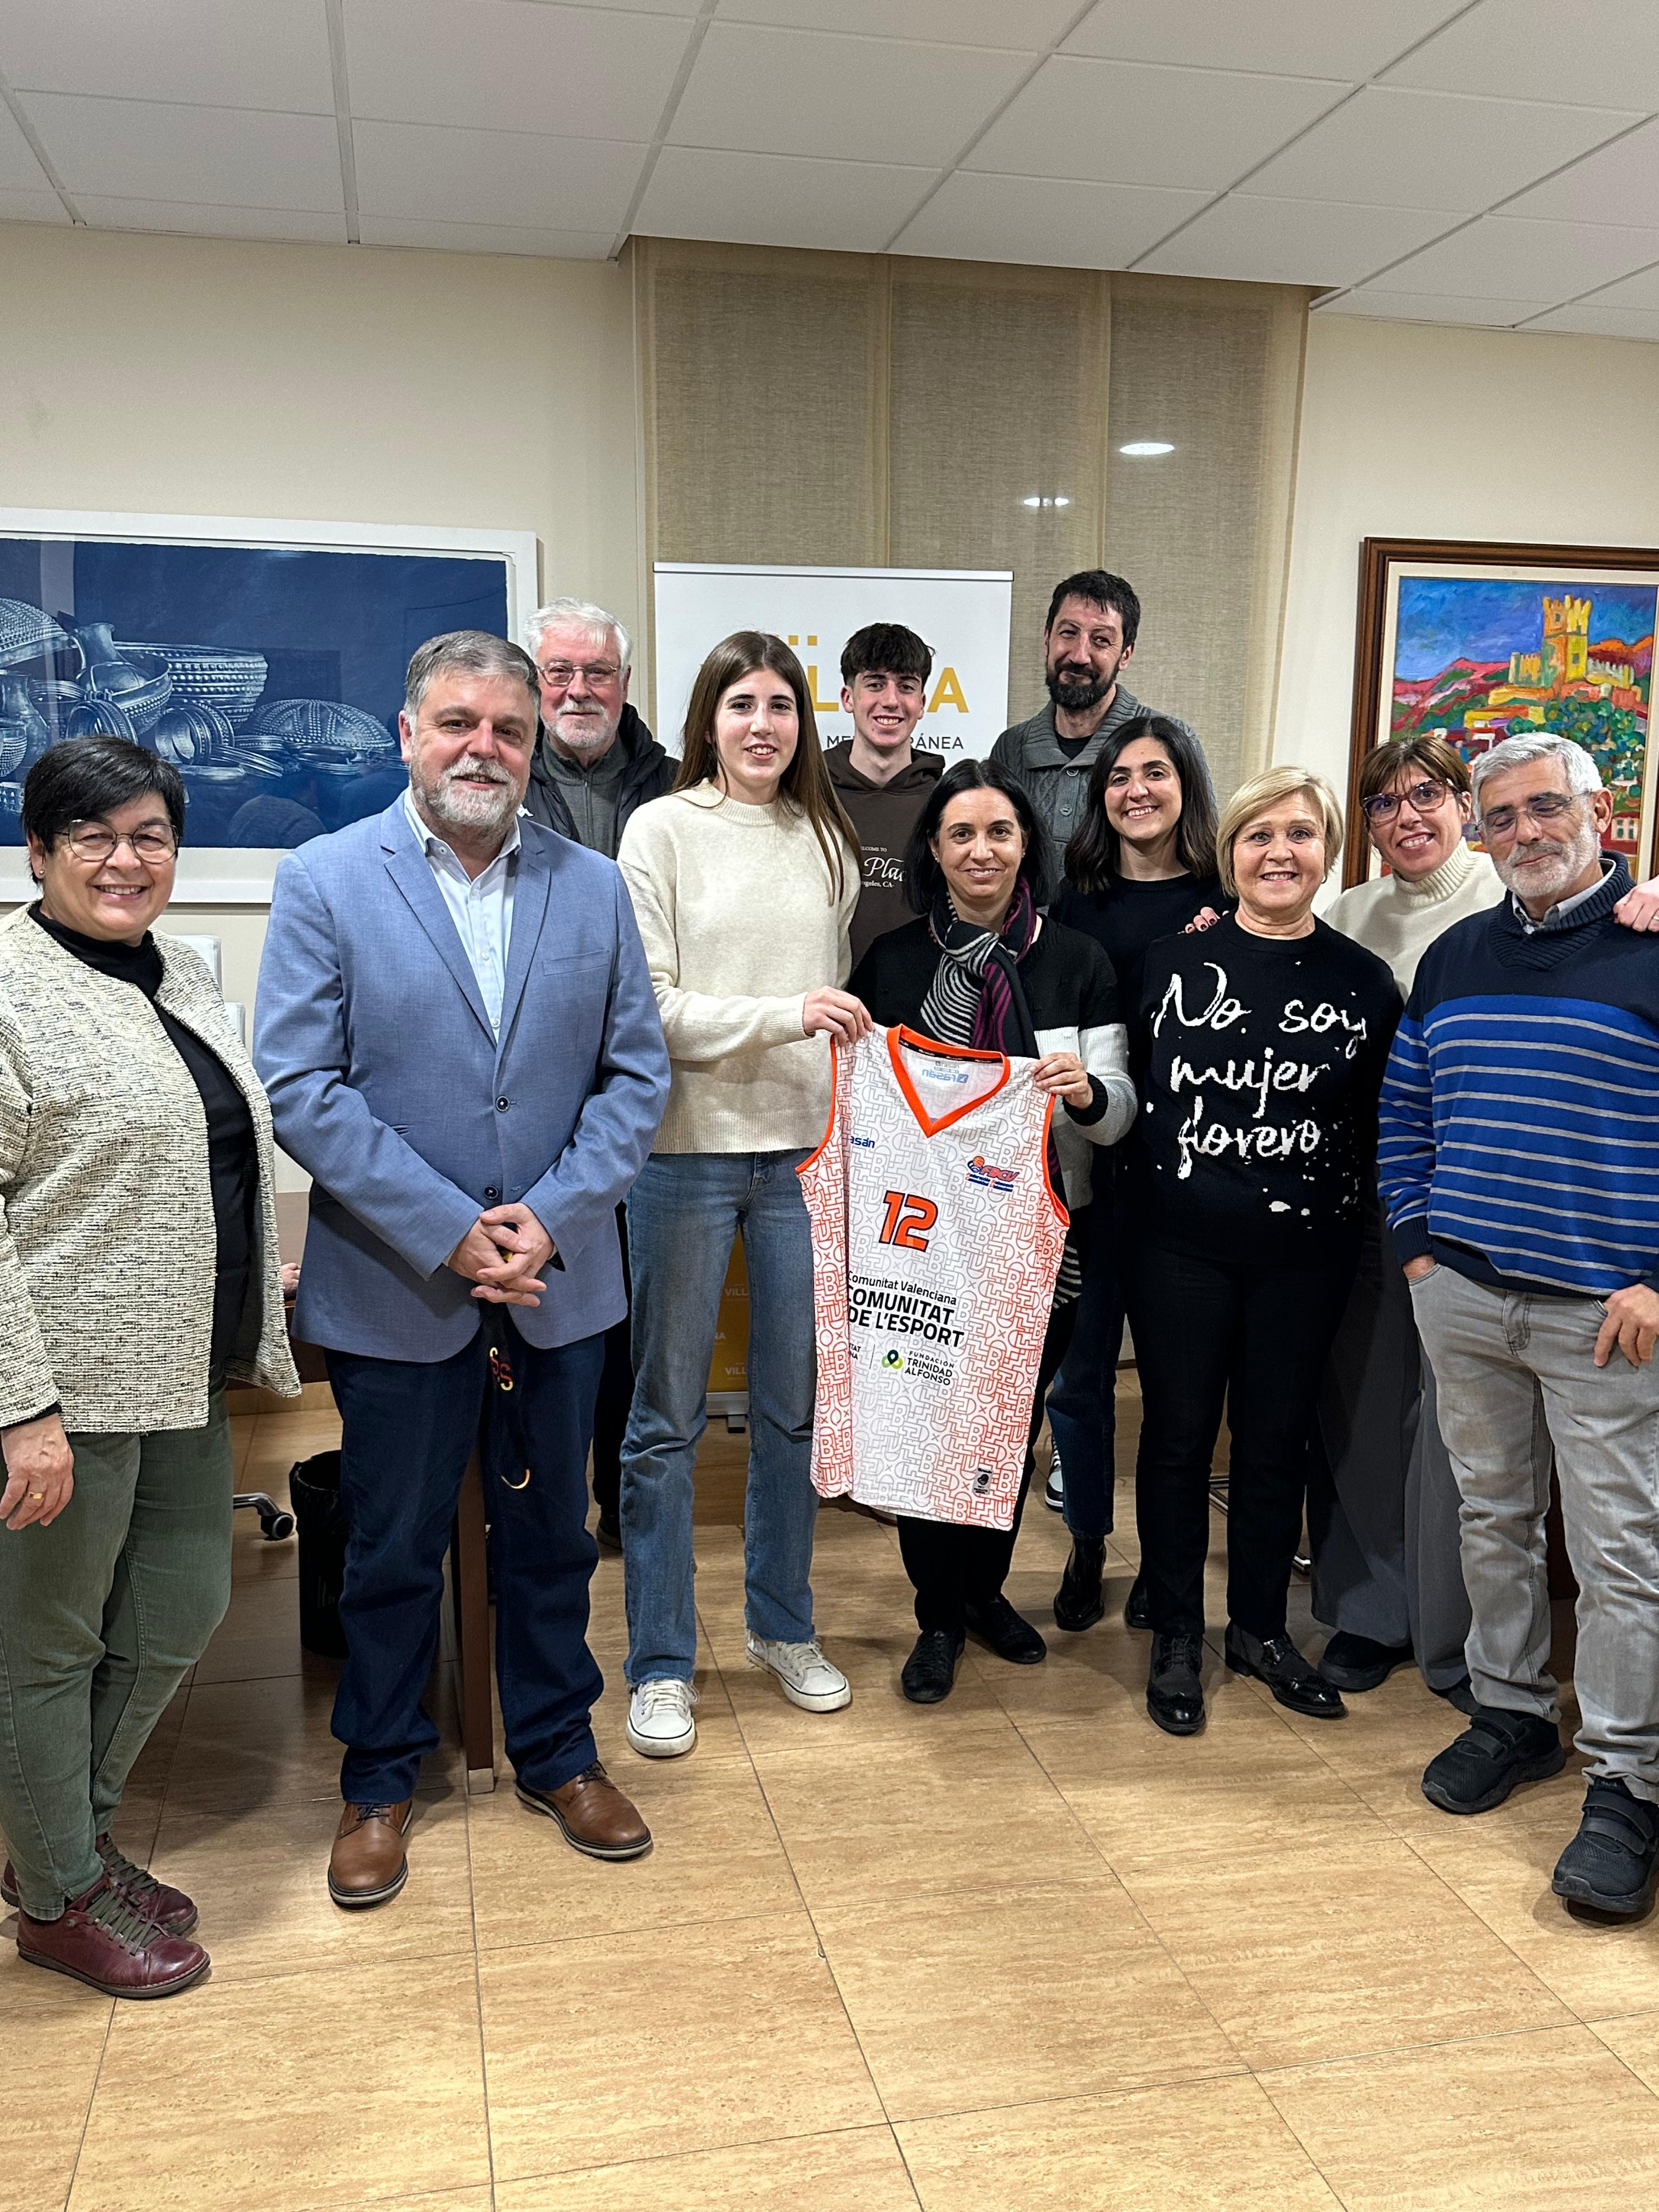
{"x": 1478, "y": 659}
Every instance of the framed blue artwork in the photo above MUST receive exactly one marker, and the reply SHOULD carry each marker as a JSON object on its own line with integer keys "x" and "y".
{"x": 264, "y": 660}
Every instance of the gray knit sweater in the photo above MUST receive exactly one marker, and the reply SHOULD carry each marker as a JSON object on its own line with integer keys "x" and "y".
{"x": 1059, "y": 788}
{"x": 107, "y": 1245}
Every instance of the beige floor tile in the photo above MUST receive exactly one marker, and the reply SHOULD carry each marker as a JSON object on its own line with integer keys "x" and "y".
{"x": 1635, "y": 2040}
{"x": 52, "y": 2031}
{"x": 620, "y": 2047}
{"x": 1327, "y": 1948}
{"x": 1544, "y": 2123}
{"x": 260, "y": 1637}
{"x": 294, "y": 2090}
{"x": 967, "y": 1807}
{"x": 993, "y": 1997}
{"x": 1197, "y": 2148}
{"x": 254, "y": 1743}
{"x": 858, "y": 2170}
{"x": 259, "y": 1874}
{"x": 715, "y": 1856}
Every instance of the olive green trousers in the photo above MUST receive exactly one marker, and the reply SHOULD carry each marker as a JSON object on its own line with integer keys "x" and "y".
{"x": 101, "y": 1616}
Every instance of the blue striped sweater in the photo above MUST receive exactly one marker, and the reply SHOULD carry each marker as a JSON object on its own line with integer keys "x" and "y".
{"x": 1519, "y": 1119}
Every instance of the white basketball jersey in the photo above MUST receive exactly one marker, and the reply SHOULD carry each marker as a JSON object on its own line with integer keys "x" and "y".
{"x": 936, "y": 1241}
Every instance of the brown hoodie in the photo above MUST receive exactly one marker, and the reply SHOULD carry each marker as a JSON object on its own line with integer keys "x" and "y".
{"x": 884, "y": 814}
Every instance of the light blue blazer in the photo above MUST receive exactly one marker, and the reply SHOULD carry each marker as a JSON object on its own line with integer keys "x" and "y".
{"x": 387, "y": 1085}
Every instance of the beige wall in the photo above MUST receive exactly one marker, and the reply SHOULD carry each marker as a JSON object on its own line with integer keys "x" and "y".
{"x": 1415, "y": 431}
{"x": 194, "y": 376}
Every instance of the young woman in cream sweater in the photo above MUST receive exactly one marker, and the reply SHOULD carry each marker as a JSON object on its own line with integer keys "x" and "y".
{"x": 743, "y": 880}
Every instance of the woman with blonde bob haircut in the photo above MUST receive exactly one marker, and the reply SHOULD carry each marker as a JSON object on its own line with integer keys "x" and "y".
{"x": 1263, "y": 1040}
{"x": 744, "y": 879}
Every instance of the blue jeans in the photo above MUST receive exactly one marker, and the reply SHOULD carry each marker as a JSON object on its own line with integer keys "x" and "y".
{"x": 683, "y": 1214}
{"x": 1083, "y": 1399}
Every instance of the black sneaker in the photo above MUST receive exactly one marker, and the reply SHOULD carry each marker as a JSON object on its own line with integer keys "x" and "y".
{"x": 930, "y": 1671}
{"x": 1009, "y": 1634}
{"x": 1174, "y": 1689}
{"x": 1459, "y": 1695}
{"x": 1609, "y": 1863}
{"x": 1080, "y": 1602}
{"x": 1296, "y": 1682}
{"x": 1137, "y": 1612}
{"x": 1498, "y": 1749}
{"x": 1356, "y": 1662}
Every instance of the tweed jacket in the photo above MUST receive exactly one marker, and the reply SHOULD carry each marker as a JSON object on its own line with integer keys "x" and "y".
{"x": 107, "y": 1245}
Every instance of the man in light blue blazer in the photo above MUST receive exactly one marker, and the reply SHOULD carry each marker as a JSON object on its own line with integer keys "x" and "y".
{"x": 459, "y": 1036}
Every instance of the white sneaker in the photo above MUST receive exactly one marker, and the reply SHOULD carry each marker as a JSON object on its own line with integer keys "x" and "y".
{"x": 807, "y": 1678}
{"x": 660, "y": 1723}
{"x": 1053, "y": 1496}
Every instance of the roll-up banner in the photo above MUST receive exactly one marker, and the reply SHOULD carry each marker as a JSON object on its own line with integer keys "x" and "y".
{"x": 962, "y": 613}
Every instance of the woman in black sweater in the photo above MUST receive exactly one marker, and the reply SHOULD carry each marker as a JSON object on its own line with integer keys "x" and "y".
{"x": 1141, "y": 867}
{"x": 1262, "y": 1044}
{"x": 977, "y": 871}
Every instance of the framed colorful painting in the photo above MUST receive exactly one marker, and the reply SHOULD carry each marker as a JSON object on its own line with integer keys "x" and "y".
{"x": 1478, "y": 642}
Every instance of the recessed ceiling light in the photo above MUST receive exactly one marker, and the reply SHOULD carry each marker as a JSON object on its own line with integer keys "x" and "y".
{"x": 1046, "y": 499}
{"x": 1138, "y": 448}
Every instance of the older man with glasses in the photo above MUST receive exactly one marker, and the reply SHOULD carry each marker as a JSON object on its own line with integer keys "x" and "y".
{"x": 1520, "y": 1133}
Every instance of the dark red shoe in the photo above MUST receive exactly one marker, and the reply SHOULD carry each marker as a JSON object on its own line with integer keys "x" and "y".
{"x": 169, "y": 1908}
{"x": 103, "y": 1940}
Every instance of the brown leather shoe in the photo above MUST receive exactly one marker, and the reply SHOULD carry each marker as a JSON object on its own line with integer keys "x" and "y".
{"x": 169, "y": 1908}
{"x": 101, "y": 1938}
{"x": 368, "y": 1864}
{"x": 595, "y": 1816}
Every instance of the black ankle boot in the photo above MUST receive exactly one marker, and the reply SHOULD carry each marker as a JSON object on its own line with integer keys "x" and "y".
{"x": 1080, "y": 1602}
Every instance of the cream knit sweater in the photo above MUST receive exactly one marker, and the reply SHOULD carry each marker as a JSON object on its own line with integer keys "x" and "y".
{"x": 737, "y": 913}
{"x": 1398, "y": 920}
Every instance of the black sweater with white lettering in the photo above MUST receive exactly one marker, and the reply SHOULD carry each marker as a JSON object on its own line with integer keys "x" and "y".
{"x": 1256, "y": 1139}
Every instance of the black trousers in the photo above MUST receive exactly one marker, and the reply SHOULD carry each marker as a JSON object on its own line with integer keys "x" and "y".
{"x": 952, "y": 1567}
{"x": 1255, "y": 1338}
{"x": 616, "y": 1396}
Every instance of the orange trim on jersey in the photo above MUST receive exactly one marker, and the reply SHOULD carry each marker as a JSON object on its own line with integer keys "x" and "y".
{"x": 1055, "y": 1198}
{"x": 900, "y": 1035}
{"x": 830, "y": 1125}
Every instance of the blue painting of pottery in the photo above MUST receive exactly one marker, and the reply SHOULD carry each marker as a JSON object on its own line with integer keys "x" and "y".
{"x": 99, "y": 717}
{"x": 25, "y": 732}
{"x": 322, "y": 727}
{"x": 189, "y": 732}
{"x": 139, "y": 681}
{"x": 26, "y": 633}
{"x": 225, "y": 677}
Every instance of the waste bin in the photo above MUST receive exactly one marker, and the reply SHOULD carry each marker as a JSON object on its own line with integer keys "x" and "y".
{"x": 313, "y": 1486}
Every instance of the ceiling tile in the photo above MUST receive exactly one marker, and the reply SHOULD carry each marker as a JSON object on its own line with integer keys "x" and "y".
{"x": 220, "y": 53}
{"x": 954, "y": 23}
{"x": 18, "y": 204}
{"x": 189, "y": 216}
{"x": 764, "y": 91}
{"x": 1123, "y": 123}
{"x": 1277, "y": 241}
{"x": 144, "y": 150}
{"x": 1047, "y": 221}
{"x": 1501, "y": 256}
{"x": 18, "y": 168}
{"x": 505, "y": 66}
{"x": 1431, "y": 307}
{"x": 1387, "y": 148}
{"x": 1590, "y": 321}
{"x": 1640, "y": 291}
{"x": 411, "y": 170}
{"x": 1544, "y": 50}
{"x": 1302, "y": 37}
{"x": 1620, "y": 184}
{"x": 766, "y": 199}
{"x": 488, "y": 238}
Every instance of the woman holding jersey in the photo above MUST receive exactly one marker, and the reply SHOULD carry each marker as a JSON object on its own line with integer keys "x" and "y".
{"x": 983, "y": 967}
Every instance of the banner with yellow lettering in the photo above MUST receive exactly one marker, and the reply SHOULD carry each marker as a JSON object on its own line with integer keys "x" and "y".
{"x": 962, "y": 613}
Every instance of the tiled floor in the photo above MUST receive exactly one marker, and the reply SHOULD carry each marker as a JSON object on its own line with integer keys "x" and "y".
{"x": 1018, "y": 1954}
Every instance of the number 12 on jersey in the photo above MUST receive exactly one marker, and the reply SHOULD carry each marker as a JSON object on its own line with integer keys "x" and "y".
{"x": 908, "y": 1219}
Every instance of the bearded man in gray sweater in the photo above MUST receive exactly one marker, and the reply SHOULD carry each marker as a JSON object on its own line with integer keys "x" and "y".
{"x": 1094, "y": 618}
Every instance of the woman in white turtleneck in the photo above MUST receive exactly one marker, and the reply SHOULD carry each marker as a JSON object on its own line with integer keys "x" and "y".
{"x": 1382, "y": 1496}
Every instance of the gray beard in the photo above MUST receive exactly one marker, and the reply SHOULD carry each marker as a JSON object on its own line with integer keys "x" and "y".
{"x": 589, "y": 737}
{"x": 1572, "y": 865}
{"x": 466, "y": 810}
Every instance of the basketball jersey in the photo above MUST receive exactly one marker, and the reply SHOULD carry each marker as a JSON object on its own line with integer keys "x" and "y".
{"x": 936, "y": 1241}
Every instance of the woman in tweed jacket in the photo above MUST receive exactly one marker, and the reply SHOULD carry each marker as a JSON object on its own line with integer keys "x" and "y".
{"x": 138, "y": 1273}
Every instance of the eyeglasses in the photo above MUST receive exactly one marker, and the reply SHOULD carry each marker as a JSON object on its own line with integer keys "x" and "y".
{"x": 96, "y": 840}
{"x": 1383, "y": 805}
{"x": 558, "y": 673}
{"x": 1543, "y": 806}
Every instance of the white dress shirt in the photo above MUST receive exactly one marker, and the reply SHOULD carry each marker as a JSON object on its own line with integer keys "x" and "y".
{"x": 481, "y": 907}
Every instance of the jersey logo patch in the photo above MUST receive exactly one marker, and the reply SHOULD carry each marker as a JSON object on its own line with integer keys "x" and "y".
{"x": 984, "y": 1177}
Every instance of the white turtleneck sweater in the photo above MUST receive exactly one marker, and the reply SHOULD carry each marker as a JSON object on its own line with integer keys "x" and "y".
{"x": 1398, "y": 920}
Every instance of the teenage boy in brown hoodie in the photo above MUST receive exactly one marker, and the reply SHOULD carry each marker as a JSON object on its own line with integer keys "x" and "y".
{"x": 880, "y": 780}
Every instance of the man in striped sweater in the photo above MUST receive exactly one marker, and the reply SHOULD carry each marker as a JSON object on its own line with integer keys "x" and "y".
{"x": 1519, "y": 1163}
